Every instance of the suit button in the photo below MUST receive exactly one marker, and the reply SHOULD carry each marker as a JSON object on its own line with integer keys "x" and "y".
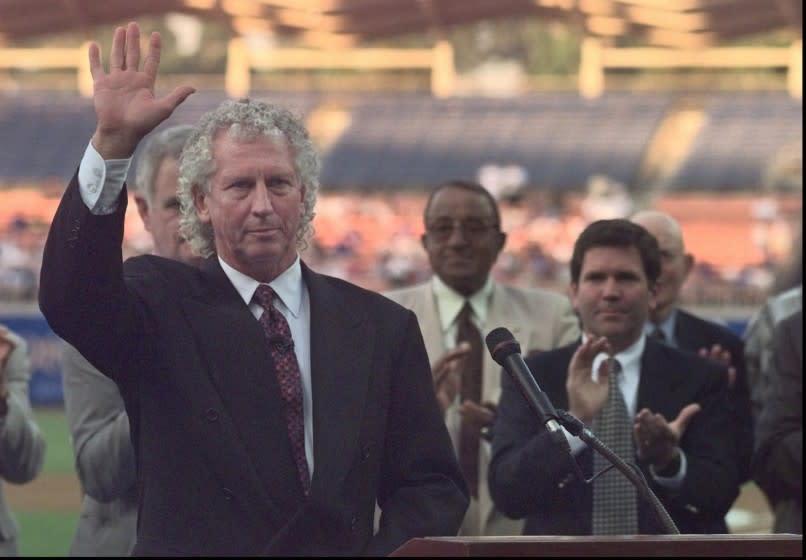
{"x": 211, "y": 415}
{"x": 366, "y": 451}
{"x": 228, "y": 495}
{"x": 353, "y": 524}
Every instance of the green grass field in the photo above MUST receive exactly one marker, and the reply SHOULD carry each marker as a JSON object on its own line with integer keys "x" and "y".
{"x": 49, "y": 533}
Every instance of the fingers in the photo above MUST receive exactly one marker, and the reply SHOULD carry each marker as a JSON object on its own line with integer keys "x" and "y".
{"x": 116, "y": 56}
{"x": 152, "y": 61}
{"x": 132, "y": 60}
{"x": 681, "y": 422}
{"x": 94, "y": 54}
{"x": 477, "y": 412}
{"x": 731, "y": 376}
{"x": 177, "y": 96}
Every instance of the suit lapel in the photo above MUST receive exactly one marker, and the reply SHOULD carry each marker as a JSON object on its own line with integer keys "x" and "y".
{"x": 424, "y": 306}
{"x": 247, "y": 397}
{"x": 687, "y": 332}
{"x": 500, "y": 312}
{"x": 660, "y": 379}
{"x": 341, "y": 350}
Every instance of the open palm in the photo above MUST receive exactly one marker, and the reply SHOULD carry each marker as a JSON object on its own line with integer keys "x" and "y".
{"x": 124, "y": 99}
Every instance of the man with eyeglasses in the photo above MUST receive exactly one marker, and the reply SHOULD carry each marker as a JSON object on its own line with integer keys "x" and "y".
{"x": 683, "y": 330}
{"x": 463, "y": 239}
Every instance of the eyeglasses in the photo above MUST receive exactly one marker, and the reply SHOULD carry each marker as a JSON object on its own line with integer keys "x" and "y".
{"x": 472, "y": 229}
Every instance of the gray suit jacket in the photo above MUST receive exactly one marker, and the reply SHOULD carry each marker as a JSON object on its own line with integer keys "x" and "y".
{"x": 22, "y": 447}
{"x": 778, "y": 460}
{"x": 538, "y": 319}
{"x": 104, "y": 457}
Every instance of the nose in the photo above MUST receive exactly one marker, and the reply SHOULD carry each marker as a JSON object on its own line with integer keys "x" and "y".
{"x": 611, "y": 289}
{"x": 458, "y": 235}
{"x": 261, "y": 200}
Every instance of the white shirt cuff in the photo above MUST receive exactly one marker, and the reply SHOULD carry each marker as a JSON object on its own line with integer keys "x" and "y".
{"x": 100, "y": 181}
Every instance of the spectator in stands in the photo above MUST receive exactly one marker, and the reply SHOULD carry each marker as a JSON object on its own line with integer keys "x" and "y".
{"x": 652, "y": 404}
{"x": 778, "y": 461}
{"x": 22, "y": 447}
{"x": 676, "y": 327}
{"x": 18, "y": 263}
{"x": 456, "y": 308}
{"x": 95, "y": 411}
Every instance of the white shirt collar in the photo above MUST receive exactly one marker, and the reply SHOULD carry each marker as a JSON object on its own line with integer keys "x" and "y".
{"x": 629, "y": 358}
{"x": 287, "y": 286}
{"x": 667, "y": 326}
{"x": 450, "y": 302}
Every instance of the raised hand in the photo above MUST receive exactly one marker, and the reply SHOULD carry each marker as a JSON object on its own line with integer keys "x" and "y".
{"x": 124, "y": 99}
{"x": 586, "y": 397}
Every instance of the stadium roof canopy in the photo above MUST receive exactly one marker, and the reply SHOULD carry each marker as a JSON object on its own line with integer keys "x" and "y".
{"x": 672, "y": 23}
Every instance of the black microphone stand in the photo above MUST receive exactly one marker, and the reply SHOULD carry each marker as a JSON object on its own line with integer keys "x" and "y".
{"x": 631, "y": 471}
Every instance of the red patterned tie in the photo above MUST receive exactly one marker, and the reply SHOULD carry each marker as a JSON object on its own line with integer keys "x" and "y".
{"x": 281, "y": 346}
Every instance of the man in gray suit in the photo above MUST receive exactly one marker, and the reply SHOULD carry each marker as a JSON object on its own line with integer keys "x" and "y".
{"x": 22, "y": 447}
{"x": 95, "y": 410}
{"x": 463, "y": 239}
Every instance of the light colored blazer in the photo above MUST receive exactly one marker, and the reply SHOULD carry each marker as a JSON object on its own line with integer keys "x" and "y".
{"x": 539, "y": 321}
{"x": 104, "y": 457}
{"x": 22, "y": 447}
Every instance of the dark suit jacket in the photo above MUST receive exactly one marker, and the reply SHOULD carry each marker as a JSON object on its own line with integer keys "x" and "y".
{"x": 215, "y": 470}
{"x": 527, "y": 469}
{"x": 693, "y": 333}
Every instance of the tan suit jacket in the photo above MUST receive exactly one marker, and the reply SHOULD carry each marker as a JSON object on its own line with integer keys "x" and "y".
{"x": 539, "y": 320}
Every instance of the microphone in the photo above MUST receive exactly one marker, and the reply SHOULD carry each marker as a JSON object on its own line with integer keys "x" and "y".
{"x": 506, "y": 351}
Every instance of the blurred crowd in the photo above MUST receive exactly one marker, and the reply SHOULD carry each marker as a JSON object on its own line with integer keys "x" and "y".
{"x": 373, "y": 239}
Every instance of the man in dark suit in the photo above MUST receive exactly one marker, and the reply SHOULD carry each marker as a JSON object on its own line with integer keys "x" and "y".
{"x": 270, "y": 407}
{"x": 687, "y": 461}
{"x": 686, "y": 331}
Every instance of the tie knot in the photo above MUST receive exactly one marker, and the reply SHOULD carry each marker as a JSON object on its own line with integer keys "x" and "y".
{"x": 658, "y": 334}
{"x": 466, "y": 313}
{"x": 264, "y": 296}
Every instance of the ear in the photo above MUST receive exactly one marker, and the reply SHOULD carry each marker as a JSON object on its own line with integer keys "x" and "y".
{"x": 200, "y": 204}
{"x": 502, "y": 240}
{"x": 653, "y": 296}
{"x": 573, "y": 289}
{"x": 688, "y": 266}
{"x": 142, "y": 209}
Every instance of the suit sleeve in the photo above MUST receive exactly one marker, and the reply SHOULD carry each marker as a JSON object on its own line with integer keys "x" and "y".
{"x": 421, "y": 490}
{"x": 81, "y": 289}
{"x": 22, "y": 446}
{"x": 778, "y": 461}
{"x": 712, "y": 481}
{"x": 526, "y": 466}
{"x": 99, "y": 427}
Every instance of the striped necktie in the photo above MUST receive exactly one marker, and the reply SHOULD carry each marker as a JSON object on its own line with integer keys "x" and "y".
{"x": 615, "y": 499}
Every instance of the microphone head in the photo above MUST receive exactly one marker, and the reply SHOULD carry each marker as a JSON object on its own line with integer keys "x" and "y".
{"x": 501, "y": 344}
